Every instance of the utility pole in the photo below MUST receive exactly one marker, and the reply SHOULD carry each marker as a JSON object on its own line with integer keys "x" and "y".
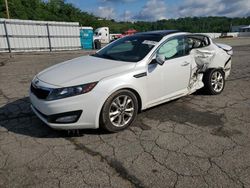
{"x": 7, "y": 9}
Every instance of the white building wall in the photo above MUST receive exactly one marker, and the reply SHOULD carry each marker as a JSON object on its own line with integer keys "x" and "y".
{"x": 232, "y": 34}
{"x": 212, "y": 35}
{"x": 244, "y": 34}
{"x": 28, "y": 35}
{"x": 3, "y": 42}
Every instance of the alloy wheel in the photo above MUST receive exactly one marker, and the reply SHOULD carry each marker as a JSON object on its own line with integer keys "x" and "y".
{"x": 217, "y": 81}
{"x": 121, "y": 110}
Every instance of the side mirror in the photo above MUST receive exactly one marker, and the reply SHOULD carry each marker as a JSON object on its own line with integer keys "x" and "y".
{"x": 160, "y": 59}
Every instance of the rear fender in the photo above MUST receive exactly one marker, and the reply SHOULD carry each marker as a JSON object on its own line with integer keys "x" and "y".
{"x": 222, "y": 60}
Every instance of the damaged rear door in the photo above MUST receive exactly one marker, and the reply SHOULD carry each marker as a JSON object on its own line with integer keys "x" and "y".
{"x": 202, "y": 53}
{"x": 210, "y": 55}
{"x": 202, "y": 50}
{"x": 206, "y": 55}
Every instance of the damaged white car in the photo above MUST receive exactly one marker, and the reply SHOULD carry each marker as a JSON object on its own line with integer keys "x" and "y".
{"x": 134, "y": 73}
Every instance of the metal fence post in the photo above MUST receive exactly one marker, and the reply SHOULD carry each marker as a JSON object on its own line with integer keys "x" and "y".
{"x": 7, "y": 35}
{"x": 50, "y": 48}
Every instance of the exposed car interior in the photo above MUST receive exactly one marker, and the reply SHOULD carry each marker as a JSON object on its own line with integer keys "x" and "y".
{"x": 197, "y": 41}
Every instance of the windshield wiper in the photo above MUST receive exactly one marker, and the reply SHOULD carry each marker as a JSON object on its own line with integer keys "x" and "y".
{"x": 106, "y": 56}
{"x": 95, "y": 55}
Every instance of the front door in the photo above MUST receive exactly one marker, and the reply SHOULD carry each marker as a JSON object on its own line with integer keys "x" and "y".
{"x": 171, "y": 78}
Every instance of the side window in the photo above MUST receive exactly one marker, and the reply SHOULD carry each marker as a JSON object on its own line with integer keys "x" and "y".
{"x": 174, "y": 48}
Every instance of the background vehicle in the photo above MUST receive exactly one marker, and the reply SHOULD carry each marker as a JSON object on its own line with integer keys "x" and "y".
{"x": 102, "y": 34}
{"x": 131, "y": 74}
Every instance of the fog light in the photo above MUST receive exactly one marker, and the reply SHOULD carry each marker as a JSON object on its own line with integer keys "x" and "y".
{"x": 67, "y": 119}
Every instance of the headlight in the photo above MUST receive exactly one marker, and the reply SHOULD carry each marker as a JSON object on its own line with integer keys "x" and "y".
{"x": 61, "y": 93}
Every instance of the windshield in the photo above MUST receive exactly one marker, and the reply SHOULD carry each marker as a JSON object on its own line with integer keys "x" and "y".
{"x": 130, "y": 49}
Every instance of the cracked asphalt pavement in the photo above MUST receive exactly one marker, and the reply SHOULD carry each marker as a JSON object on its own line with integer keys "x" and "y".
{"x": 196, "y": 141}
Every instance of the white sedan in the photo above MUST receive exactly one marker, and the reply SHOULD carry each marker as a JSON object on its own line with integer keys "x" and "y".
{"x": 134, "y": 73}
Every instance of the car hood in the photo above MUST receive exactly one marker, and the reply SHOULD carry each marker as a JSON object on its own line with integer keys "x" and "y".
{"x": 82, "y": 70}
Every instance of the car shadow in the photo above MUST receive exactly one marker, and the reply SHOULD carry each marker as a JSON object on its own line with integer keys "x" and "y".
{"x": 201, "y": 92}
{"x": 17, "y": 117}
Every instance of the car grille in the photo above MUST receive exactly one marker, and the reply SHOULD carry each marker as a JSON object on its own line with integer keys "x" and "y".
{"x": 39, "y": 92}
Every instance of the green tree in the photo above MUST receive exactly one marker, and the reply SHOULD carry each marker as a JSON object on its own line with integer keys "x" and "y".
{"x": 59, "y": 10}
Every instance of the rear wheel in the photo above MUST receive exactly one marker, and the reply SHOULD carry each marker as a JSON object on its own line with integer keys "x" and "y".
{"x": 214, "y": 81}
{"x": 119, "y": 111}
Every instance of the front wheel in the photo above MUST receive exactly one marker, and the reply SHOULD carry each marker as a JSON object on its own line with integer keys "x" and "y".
{"x": 214, "y": 81}
{"x": 119, "y": 111}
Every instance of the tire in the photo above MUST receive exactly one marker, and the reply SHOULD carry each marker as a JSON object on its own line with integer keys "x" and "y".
{"x": 214, "y": 81}
{"x": 119, "y": 111}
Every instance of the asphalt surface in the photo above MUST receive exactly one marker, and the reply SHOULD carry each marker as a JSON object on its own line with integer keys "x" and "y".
{"x": 196, "y": 141}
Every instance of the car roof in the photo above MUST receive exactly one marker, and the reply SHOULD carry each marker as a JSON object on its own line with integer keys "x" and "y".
{"x": 160, "y": 33}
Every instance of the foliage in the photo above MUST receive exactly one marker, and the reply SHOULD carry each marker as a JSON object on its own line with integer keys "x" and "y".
{"x": 59, "y": 10}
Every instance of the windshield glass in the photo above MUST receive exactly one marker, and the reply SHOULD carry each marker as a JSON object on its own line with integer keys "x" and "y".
{"x": 131, "y": 48}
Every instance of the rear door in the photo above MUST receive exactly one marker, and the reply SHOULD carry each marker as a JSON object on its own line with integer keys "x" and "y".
{"x": 202, "y": 50}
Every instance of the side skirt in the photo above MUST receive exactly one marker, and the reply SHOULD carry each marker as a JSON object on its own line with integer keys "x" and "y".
{"x": 167, "y": 99}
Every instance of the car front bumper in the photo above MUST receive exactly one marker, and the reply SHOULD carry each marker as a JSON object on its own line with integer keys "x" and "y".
{"x": 86, "y": 107}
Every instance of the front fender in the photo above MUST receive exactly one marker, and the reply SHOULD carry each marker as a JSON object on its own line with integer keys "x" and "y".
{"x": 112, "y": 85}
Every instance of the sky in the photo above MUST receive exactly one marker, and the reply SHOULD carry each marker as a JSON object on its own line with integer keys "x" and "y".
{"x": 151, "y": 10}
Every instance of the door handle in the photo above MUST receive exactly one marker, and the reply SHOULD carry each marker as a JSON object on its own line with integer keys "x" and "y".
{"x": 185, "y": 64}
